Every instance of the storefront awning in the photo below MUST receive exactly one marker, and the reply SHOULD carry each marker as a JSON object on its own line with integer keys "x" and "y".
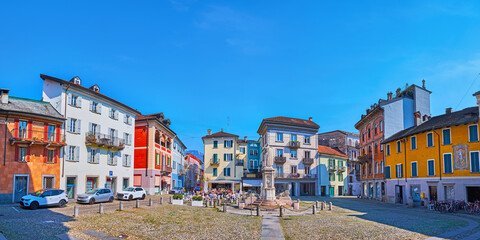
{"x": 252, "y": 183}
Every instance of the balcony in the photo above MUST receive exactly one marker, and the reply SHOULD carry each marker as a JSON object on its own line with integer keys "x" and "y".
{"x": 308, "y": 161}
{"x": 294, "y": 144}
{"x": 166, "y": 169}
{"x": 365, "y": 158}
{"x": 36, "y": 137}
{"x": 280, "y": 160}
{"x": 239, "y": 162}
{"x": 341, "y": 168}
{"x": 332, "y": 168}
{"x": 214, "y": 162}
{"x": 104, "y": 140}
{"x": 181, "y": 173}
{"x": 296, "y": 176}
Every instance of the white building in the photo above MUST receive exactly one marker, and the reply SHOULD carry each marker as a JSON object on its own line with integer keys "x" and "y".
{"x": 99, "y": 136}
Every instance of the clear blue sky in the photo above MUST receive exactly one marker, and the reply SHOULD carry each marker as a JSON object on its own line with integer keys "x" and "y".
{"x": 200, "y": 62}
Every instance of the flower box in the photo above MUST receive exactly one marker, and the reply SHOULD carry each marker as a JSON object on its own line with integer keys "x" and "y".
{"x": 177, "y": 201}
{"x": 197, "y": 203}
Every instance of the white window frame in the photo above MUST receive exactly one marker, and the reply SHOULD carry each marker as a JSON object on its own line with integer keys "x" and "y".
{"x": 478, "y": 137}
{"x": 277, "y": 137}
{"x": 428, "y": 169}
{"x": 306, "y": 140}
{"x": 54, "y": 180}
{"x": 396, "y": 171}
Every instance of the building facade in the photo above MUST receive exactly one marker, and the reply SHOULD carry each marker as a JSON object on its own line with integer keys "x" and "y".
{"x": 382, "y": 120}
{"x": 153, "y": 153}
{"x": 193, "y": 172}
{"x": 99, "y": 136}
{"x": 332, "y": 168}
{"x": 291, "y": 145}
{"x": 31, "y": 142}
{"x": 178, "y": 156}
{"x": 222, "y": 168}
{"x": 438, "y": 157}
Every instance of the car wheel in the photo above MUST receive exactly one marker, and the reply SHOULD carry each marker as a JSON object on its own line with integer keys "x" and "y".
{"x": 111, "y": 199}
{"x": 62, "y": 203}
{"x": 34, "y": 205}
{"x": 143, "y": 197}
{"x": 92, "y": 201}
{"x": 130, "y": 198}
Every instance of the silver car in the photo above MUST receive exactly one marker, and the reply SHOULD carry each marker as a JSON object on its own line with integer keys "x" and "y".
{"x": 96, "y": 196}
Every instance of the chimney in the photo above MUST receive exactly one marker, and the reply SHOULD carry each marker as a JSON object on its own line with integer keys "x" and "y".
{"x": 389, "y": 95}
{"x": 398, "y": 91}
{"x": 245, "y": 138}
{"x": 418, "y": 118}
{"x": 425, "y": 118}
{"x": 477, "y": 95}
{"x": 448, "y": 110}
{"x": 423, "y": 83}
{"x": 310, "y": 119}
{"x": 4, "y": 96}
{"x": 221, "y": 130}
{"x": 209, "y": 131}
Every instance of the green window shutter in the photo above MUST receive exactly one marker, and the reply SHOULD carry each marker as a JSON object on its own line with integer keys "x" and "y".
{"x": 224, "y": 144}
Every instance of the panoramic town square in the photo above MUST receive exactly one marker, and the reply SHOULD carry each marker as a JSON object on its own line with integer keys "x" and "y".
{"x": 185, "y": 119}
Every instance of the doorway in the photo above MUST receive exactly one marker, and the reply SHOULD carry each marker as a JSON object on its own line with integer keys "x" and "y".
{"x": 332, "y": 191}
{"x": 399, "y": 194}
{"x": 432, "y": 193}
{"x": 473, "y": 194}
{"x": 91, "y": 183}
{"x": 415, "y": 193}
{"x": 111, "y": 183}
{"x": 20, "y": 187}
{"x": 323, "y": 190}
{"x": 71, "y": 187}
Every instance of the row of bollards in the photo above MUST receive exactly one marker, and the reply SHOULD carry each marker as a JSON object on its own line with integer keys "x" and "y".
{"x": 120, "y": 207}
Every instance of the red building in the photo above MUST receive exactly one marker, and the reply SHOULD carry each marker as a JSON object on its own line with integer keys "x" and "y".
{"x": 193, "y": 172}
{"x": 153, "y": 153}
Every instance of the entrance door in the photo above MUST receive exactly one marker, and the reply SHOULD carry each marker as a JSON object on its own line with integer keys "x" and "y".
{"x": 20, "y": 188}
{"x": 399, "y": 194}
{"x": 125, "y": 183}
{"x": 71, "y": 187}
{"x": 332, "y": 191}
{"x": 324, "y": 190}
{"x": 433, "y": 193}
{"x": 292, "y": 193}
{"x": 415, "y": 193}
{"x": 473, "y": 194}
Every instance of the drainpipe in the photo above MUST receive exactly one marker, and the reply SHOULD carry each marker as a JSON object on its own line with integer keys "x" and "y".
{"x": 65, "y": 130}
{"x": 439, "y": 154}
{"x": 5, "y": 142}
{"x": 405, "y": 147}
{"x": 146, "y": 159}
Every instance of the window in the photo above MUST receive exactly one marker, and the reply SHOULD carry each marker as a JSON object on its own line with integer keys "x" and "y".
{"x": 340, "y": 176}
{"x": 388, "y": 149}
{"x": 449, "y": 193}
{"x": 474, "y": 162}
{"x": 429, "y": 139}
{"x": 306, "y": 140}
{"x": 293, "y": 154}
{"x": 414, "y": 169}
{"x": 111, "y": 158}
{"x": 253, "y": 152}
{"x": 74, "y": 100}
{"x": 92, "y": 155}
{"x": 446, "y": 137}
{"x": 381, "y": 126}
{"x": 413, "y": 141}
{"x": 387, "y": 172}
{"x": 381, "y": 148}
{"x": 279, "y": 152}
{"x": 72, "y": 153}
{"x": 50, "y": 156}
{"x": 22, "y": 154}
{"x": 431, "y": 168}
{"x": 215, "y": 158}
{"x": 22, "y": 129}
{"x": 279, "y": 137}
{"x": 376, "y": 168}
{"x": 127, "y": 160}
{"x": 48, "y": 182}
{"x": 51, "y": 133}
{"x": 214, "y": 172}
{"x": 226, "y": 172}
{"x": 113, "y": 114}
{"x": 127, "y": 138}
{"x": 294, "y": 137}
{"x": 293, "y": 169}
{"x": 228, "y": 156}
{"x": 94, "y": 129}
{"x": 157, "y": 159}
{"x": 242, "y": 150}
{"x": 307, "y": 154}
{"x": 215, "y": 144}
{"x": 279, "y": 169}
{"x": 95, "y": 107}
{"x": 473, "y": 133}
{"x": 228, "y": 144}
{"x": 73, "y": 125}
{"x": 399, "y": 147}
{"x": 399, "y": 171}
{"x": 447, "y": 163}
{"x": 127, "y": 119}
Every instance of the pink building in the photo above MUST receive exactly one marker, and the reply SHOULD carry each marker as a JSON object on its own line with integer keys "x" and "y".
{"x": 193, "y": 172}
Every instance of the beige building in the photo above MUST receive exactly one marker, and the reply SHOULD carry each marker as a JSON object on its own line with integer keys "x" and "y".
{"x": 222, "y": 169}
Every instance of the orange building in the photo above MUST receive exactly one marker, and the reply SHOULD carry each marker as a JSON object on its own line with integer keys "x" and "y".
{"x": 30, "y": 144}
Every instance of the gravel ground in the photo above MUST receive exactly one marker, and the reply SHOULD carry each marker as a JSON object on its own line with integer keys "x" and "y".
{"x": 169, "y": 222}
{"x": 362, "y": 219}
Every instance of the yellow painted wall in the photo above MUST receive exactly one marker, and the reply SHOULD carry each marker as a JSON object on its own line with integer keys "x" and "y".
{"x": 220, "y": 151}
{"x": 459, "y": 134}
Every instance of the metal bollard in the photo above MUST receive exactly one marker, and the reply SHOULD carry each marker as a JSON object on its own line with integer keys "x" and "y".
{"x": 161, "y": 201}
{"x": 281, "y": 210}
{"x": 314, "y": 209}
{"x": 100, "y": 208}
{"x": 137, "y": 204}
{"x": 321, "y": 206}
{"x": 258, "y": 210}
{"x": 75, "y": 211}
{"x": 330, "y": 206}
{"x": 150, "y": 202}
{"x": 121, "y": 206}
{"x": 171, "y": 199}
{"x": 224, "y": 207}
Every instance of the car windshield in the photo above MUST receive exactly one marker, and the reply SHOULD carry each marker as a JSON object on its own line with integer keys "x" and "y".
{"x": 92, "y": 191}
{"x": 129, "y": 189}
{"x": 39, "y": 192}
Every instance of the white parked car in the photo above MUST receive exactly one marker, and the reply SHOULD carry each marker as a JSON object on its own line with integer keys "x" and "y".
{"x": 131, "y": 193}
{"x": 45, "y": 197}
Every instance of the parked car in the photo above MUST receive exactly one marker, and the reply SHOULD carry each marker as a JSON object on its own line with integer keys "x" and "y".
{"x": 131, "y": 193}
{"x": 176, "y": 191}
{"x": 44, "y": 198}
{"x": 96, "y": 196}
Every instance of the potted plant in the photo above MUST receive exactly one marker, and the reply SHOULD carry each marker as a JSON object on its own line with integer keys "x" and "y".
{"x": 177, "y": 199}
{"x": 91, "y": 138}
{"x": 197, "y": 201}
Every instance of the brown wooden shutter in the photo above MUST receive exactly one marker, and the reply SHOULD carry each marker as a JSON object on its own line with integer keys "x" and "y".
{"x": 45, "y": 132}
{"x": 45, "y": 155}
{"x": 29, "y": 129}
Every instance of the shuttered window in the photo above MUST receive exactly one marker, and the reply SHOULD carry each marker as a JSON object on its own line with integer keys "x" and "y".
{"x": 137, "y": 180}
{"x": 447, "y": 163}
{"x": 431, "y": 168}
{"x": 414, "y": 169}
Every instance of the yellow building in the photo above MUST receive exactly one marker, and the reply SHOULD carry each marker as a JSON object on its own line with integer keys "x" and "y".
{"x": 437, "y": 159}
{"x": 222, "y": 168}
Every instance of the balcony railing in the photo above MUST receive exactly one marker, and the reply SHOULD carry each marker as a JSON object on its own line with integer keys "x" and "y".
{"x": 296, "y": 175}
{"x": 294, "y": 144}
{"x": 365, "y": 158}
{"x": 308, "y": 161}
{"x": 104, "y": 140}
{"x": 166, "y": 169}
{"x": 341, "y": 168}
{"x": 332, "y": 167}
{"x": 280, "y": 160}
{"x": 214, "y": 162}
{"x": 36, "y": 137}
{"x": 239, "y": 162}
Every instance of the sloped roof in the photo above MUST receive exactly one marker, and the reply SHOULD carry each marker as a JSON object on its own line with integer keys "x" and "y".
{"x": 219, "y": 135}
{"x": 29, "y": 106}
{"x": 292, "y": 121}
{"x": 157, "y": 117}
{"x": 465, "y": 116}
{"x": 330, "y": 151}
{"x": 342, "y": 132}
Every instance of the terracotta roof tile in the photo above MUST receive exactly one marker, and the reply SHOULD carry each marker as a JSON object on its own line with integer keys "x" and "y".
{"x": 331, "y": 151}
{"x": 220, "y": 134}
{"x": 294, "y": 121}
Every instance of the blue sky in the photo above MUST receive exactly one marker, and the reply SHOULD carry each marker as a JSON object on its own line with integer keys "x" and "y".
{"x": 203, "y": 62}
